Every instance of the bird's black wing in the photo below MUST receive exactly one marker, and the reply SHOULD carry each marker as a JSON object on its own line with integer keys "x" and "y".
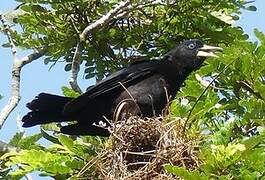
{"x": 125, "y": 76}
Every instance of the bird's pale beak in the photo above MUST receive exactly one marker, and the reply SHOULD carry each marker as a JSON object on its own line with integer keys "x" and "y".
{"x": 208, "y": 51}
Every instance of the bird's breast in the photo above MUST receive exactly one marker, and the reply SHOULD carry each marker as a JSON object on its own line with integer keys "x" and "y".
{"x": 147, "y": 97}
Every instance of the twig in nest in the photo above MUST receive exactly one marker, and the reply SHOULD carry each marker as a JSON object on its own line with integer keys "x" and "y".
{"x": 148, "y": 144}
{"x": 92, "y": 162}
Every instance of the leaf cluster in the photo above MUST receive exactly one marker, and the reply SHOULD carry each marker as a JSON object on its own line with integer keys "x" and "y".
{"x": 229, "y": 116}
{"x": 60, "y": 160}
{"x": 147, "y": 29}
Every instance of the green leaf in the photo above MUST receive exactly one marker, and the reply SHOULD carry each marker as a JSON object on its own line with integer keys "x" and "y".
{"x": 47, "y": 60}
{"x": 251, "y": 8}
{"x": 68, "y": 92}
{"x": 252, "y": 142}
{"x": 38, "y": 160}
{"x": 90, "y": 70}
{"x": 260, "y": 36}
{"x": 184, "y": 173}
{"x": 6, "y": 45}
{"x": 89, "y": 76}
{"x": 66, "y": 141}
{"x": 68, "y": 67}
{"x": 28, "y": 142}
{"x": 49, "y": 137}
{"x": 26, "y": 8}
{"x": 36, "y": 8}
{"x": 16, "y": 139}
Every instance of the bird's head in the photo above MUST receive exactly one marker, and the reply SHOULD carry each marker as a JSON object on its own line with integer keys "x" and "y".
{"x": 191, "y": 53}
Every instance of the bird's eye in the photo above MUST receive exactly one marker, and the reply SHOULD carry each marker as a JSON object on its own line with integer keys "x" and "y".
{"x": 191, "y": 46}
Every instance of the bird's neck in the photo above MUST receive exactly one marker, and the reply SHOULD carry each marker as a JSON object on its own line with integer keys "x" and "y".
{"x": 176, "y": 74}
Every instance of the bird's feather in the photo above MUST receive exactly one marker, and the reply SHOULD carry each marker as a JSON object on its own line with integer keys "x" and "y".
{"x": 124, "y": 77}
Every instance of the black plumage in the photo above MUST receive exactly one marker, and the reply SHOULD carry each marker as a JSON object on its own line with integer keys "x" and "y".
{"x": 142, "y": 89}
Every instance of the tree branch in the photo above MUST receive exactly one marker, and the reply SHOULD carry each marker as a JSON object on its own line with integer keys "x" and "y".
{"x": 119, "y": 11}
{"x": 76, "y": 58}
{"x": 37, "y": 53}
{"x": 75, "y": 69}
{"x": 104, "y": 19}
{"x": 16, "y": 70}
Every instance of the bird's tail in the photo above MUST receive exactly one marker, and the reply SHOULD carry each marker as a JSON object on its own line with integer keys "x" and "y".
{"x": 46, "y": 108}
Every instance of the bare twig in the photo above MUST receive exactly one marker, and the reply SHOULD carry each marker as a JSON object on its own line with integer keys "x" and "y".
{"x": 92, "y": 162}
{"x": 75, "y": 63}
{"x": 142, "y": 153}
{"x": 16, "y": 70}
{"x": 128, "y": 92}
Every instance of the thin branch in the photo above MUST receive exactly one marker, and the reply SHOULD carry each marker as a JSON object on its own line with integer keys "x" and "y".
{"x": 4, "y": 147}
{"x": 7, "y": 31}
{"x": 16, "y": 70}
{"x": 75, "y": 69}
{"x": 73, "y": 23}
{"x": 37, "y": 53}
{"x": 104, "y": 19}
{"x": 76, "y": 59}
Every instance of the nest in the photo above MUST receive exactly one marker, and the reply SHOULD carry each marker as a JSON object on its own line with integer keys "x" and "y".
{"x": 139, "y": 148}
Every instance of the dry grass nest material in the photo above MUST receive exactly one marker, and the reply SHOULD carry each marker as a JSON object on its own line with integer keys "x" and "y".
{"x": 140, "y": 147}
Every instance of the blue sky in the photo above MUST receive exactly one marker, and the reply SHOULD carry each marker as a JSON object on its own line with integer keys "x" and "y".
{"x": 37, "y": 78}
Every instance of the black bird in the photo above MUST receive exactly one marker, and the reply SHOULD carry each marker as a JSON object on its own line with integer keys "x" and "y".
{"x": 143, "y": 89}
